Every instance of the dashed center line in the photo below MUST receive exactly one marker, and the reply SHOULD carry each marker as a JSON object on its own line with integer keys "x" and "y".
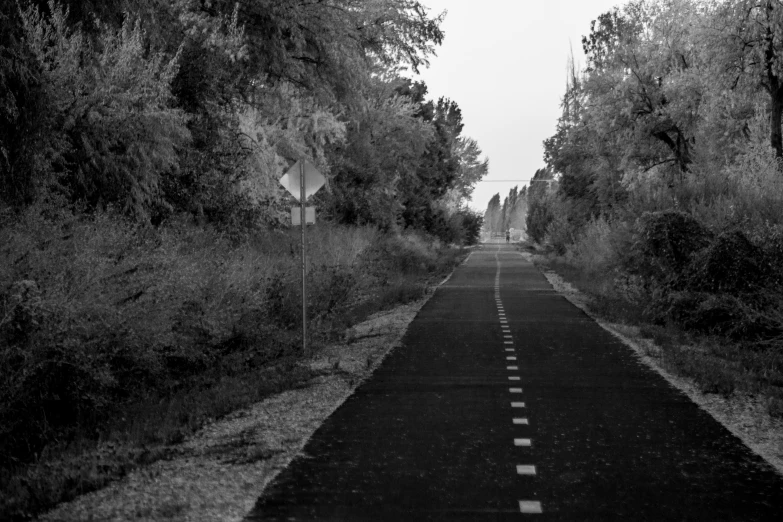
{"x": 525, "y": 469}
{"x": 525, "y": 506}
{"x": 530, "y": 506}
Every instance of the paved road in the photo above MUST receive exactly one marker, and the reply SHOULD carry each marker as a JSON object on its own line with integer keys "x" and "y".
{"x": 506, "y": 402}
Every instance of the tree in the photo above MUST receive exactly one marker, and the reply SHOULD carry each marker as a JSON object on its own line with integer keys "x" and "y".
{"x": 438, "y": 169}
{"x": 471, "y": 168}
{"x": 747, "y": 39}
{"x": 24, "y": 120}
{"x": 540, "y": 211}
{"x": 110, "y": 104}
{"x": 515, "y": 209}
{"x": 386, "y": 140}
{"x": 640, "y": 80}
{"x": 493, "y": 216}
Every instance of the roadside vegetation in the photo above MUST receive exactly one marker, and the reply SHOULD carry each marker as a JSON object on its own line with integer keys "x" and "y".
{"x": 149, "y": 280}
{"x": 663, "y": 193}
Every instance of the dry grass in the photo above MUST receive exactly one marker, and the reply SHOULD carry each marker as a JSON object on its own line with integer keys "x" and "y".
{"x": 161, "y": 330}
{"x": 219, "y": 472}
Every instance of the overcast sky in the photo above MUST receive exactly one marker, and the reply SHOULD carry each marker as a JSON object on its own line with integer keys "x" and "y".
{"x": 504, "y": 63}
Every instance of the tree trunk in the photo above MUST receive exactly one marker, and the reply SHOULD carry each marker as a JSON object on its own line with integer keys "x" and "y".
{"x": 776, "y": 115}
{"x": 679, "y": 148}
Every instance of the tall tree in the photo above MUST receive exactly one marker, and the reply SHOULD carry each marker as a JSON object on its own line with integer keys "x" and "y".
{"x": 492, "y": 216}
{"x": 746, "y": 36}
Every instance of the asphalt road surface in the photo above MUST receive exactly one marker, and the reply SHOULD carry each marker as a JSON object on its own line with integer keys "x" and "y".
{"x": 506, "y": 402}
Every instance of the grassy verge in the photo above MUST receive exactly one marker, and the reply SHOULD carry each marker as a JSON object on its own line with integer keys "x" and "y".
{"x": 117, "y": 342}
{"x": 715, "y": 364}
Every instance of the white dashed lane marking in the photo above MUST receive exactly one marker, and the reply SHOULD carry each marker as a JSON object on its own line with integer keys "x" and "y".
{"x": 530, "y": 506}
{"x": 525, "y": 506}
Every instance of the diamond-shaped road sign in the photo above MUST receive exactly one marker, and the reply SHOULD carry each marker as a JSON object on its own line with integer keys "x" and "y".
{"x": 314, "y": 180}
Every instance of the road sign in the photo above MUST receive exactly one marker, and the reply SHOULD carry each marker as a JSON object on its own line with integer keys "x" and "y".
{"x": 313, "y": 180}
{"x": 303, "y": 180}
{"x": 296, "y": 215}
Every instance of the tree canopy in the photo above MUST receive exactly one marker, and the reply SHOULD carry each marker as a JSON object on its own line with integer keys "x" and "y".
{"x": 158, "y": 108}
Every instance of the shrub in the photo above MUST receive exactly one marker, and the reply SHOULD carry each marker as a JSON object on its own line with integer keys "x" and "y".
{"x": 593, "y": 250}
{"x": 730, "y": 263}
{"x": 665, "y": 243}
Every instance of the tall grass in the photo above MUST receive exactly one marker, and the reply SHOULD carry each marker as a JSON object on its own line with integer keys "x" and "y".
{"x": 114, "y": 332}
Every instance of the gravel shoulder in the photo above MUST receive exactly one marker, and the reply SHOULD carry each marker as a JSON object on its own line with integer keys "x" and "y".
{"x": 219, "y": 473}
{"x": 743, "y": 415}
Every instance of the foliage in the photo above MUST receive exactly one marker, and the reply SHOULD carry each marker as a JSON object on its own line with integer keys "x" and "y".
{"x": 472, "y": 222}
{"x": 745, "y": 38}
{"x": 109, "y": 103}
{"x": 539, "y": 211}
{"x": 493, "y": 217}
{"x": 143, "y": 247}
{"x": 667, "y": 160}
{"x": 206, "y": 122}
{"x": 23, "y": 115}
{"x": 99, "y": 315}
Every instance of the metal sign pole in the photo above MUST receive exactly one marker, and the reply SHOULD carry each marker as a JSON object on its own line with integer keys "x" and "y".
{"x": 302, "y": 201}
{"x": 306, "y": 188}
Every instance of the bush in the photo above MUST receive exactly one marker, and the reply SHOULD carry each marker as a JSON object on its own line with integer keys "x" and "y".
{"x": 723, "y": 285}
{"x": 97, "y": 313}
{"x": 594, "y": 250}
{"x": 667, "y": 240}
{"x": 730, "y": 263}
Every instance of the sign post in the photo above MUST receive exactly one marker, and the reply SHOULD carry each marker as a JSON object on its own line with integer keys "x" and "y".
{"x": 303, "y": 224}
{"x": 302, "y": 181}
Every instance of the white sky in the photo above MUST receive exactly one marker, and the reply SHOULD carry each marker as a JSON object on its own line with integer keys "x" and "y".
{"x": 504, "y": 63}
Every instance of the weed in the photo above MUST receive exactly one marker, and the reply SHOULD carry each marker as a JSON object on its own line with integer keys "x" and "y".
{"x": 115, "y": 334}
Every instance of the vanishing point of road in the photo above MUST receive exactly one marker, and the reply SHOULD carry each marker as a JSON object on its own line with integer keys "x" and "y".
{"x": 506, "y": 402}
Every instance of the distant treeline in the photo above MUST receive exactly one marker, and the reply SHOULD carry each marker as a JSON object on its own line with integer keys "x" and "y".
{"x": 499, "y": 219}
